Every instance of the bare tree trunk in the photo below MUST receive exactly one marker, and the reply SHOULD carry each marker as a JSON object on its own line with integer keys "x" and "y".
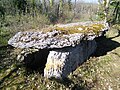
{"x": 60, "y": 7}
{"x": 74, "y": 11}
{"x": 51, "y": 3}
{"x": 106, "y": 8}
{"x": 116, "y": 13}
{"x": 70, "y": 4}
{"x": 44, "y": 6}
{"x": 33, "y": 8}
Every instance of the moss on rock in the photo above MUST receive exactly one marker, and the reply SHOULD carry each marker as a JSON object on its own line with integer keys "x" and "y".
{"x": 92, "y": 28}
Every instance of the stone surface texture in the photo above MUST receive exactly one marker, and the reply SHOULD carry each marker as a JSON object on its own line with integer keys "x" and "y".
{"x": 60, "y": 63}
{"x": 52, "y": 39}
{"x": 61, "y": 53}
{"x": 42, "y": 40}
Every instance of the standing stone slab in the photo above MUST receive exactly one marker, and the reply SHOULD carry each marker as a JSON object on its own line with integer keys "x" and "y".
{"x": 61, "y": 62}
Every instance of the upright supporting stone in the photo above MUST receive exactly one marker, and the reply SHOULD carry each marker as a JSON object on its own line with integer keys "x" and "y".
{"x": 61, "y": 62}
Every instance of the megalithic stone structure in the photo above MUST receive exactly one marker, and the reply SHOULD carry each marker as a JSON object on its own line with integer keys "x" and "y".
{"x": 59, "y": 49}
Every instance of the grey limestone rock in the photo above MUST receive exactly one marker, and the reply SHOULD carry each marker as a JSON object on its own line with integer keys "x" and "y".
{"x": 52, "y": 39}
{"x": 60, "y": 53}
{"x": 42, "y": 40}
{"x": 61, "y": 62}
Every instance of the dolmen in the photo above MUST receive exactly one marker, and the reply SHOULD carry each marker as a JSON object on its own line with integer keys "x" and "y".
{"x": 59, "y": 49}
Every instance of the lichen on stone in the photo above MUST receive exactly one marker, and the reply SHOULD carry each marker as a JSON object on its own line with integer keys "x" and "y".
{"x": 57, "y": 36}
{"x": 61, "y": 48}
{"x": 76, "y": 29}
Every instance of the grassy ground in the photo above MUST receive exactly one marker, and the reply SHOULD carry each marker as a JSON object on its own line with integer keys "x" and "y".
{"x": 100, "y": 72}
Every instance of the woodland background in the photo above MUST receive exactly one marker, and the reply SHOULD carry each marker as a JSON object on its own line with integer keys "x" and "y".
{"x": 100, "y": 72}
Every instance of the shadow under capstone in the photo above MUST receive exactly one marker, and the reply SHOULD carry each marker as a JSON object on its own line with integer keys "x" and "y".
{"x": 105, "y": 45}
{"x": 36, "y": 61}
{"x": 59, "y": 63}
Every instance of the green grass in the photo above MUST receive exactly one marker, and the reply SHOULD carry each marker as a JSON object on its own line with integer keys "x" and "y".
{"x": 100, "y": 72}
{"x": 90, "y": 75}
{"x": 4, "y": 36}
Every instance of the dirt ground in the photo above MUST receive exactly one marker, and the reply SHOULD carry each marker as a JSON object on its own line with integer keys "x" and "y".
{"x": 100, "y": 72}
